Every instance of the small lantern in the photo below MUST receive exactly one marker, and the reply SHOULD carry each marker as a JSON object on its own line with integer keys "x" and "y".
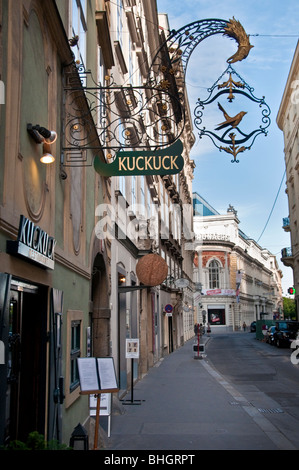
{"x": 79, "y": 438}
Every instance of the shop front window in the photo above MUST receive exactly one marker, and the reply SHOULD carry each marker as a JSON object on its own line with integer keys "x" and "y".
{"x": 216, "y": 316}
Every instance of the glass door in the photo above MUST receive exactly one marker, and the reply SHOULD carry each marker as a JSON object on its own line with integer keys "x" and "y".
{"x": 26, "y": 374}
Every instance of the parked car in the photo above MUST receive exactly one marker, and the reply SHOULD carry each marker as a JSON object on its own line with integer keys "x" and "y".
{"x": 253, "y": 327}
{"x": 285, "y": 332}
{"x": 270, "y": 335}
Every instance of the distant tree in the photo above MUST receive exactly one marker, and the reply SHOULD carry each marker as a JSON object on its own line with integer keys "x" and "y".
{"x": 289, "y": 308}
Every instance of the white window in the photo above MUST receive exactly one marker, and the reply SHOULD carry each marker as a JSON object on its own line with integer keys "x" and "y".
{"x": 79, "y": 28}
{"x": 214, "y": 270}
{"x": 134, "y": 193}
{"x": 122, "y": 185}
{"x": 101, "y": 67}
{"x": 176, "y": 219}
{"x": 101, "y": 103}
{"x": 119, "y": 22}
{"x": 121, "y": 179}
{"x": 142, "y": 194}
{"x": 131, "y": 68}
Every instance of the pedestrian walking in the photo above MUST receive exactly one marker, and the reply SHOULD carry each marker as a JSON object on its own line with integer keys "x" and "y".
{"x": 244, "y": 326}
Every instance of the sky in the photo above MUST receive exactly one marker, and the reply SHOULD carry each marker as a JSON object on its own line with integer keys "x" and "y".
{"x": 256, "y": 185}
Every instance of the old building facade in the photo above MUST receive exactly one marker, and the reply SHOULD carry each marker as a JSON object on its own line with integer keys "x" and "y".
{"x": 288, "y": 122}
{"x": 48, "y": 247}
{"x": 68, "y": 290}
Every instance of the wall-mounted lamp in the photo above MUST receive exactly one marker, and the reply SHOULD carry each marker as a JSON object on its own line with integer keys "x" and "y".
{"x": 47, "y": 157}
{"x": 41, "y": 134}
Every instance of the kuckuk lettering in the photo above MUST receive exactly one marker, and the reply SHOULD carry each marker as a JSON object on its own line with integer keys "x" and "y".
{"x": 166, "y": 161}
{"x": 34, "y": 237}
{"x": 153, "y": 162}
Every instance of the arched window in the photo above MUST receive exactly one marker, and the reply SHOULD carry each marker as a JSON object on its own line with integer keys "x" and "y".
{"x": 214, "y": 275}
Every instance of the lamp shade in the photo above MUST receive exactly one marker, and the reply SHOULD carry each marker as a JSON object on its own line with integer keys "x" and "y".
{"x": 47, "y": 158}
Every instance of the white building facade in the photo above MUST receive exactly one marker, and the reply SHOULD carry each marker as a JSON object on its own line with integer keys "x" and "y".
{"x": 288, "y": 122}
{"x": 240, "y": 281}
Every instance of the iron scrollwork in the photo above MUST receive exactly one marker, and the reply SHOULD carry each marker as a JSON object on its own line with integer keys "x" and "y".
{"x": 107, "y": 117}
{"x": 113, "y": 117}
{"x": 173, "y": 56}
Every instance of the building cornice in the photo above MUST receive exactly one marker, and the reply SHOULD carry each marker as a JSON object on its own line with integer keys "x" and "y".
{"x": 293, "y": 73}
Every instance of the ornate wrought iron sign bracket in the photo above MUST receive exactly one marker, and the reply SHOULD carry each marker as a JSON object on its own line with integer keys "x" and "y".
{"x": 105, "y": 118}
{"x": 113, "y": 117}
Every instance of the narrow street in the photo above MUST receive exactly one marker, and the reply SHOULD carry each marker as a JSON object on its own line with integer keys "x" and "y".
{"x": 243, "y": 395}
{"x": 264, "y": 375}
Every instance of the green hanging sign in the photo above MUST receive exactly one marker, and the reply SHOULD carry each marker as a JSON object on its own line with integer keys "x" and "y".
{"x": 168, "y": 161}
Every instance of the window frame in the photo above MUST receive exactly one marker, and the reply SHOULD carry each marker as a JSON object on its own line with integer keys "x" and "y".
{"x": 72, "y": 389}
{"x": 214, "y": 274}
{"x": 75, "y": 353}
{"x": 80, "y": 15}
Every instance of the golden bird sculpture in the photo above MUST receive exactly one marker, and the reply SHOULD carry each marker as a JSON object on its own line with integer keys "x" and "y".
{"x": 235, "y": 30}
{"x": 230, "y": 121}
